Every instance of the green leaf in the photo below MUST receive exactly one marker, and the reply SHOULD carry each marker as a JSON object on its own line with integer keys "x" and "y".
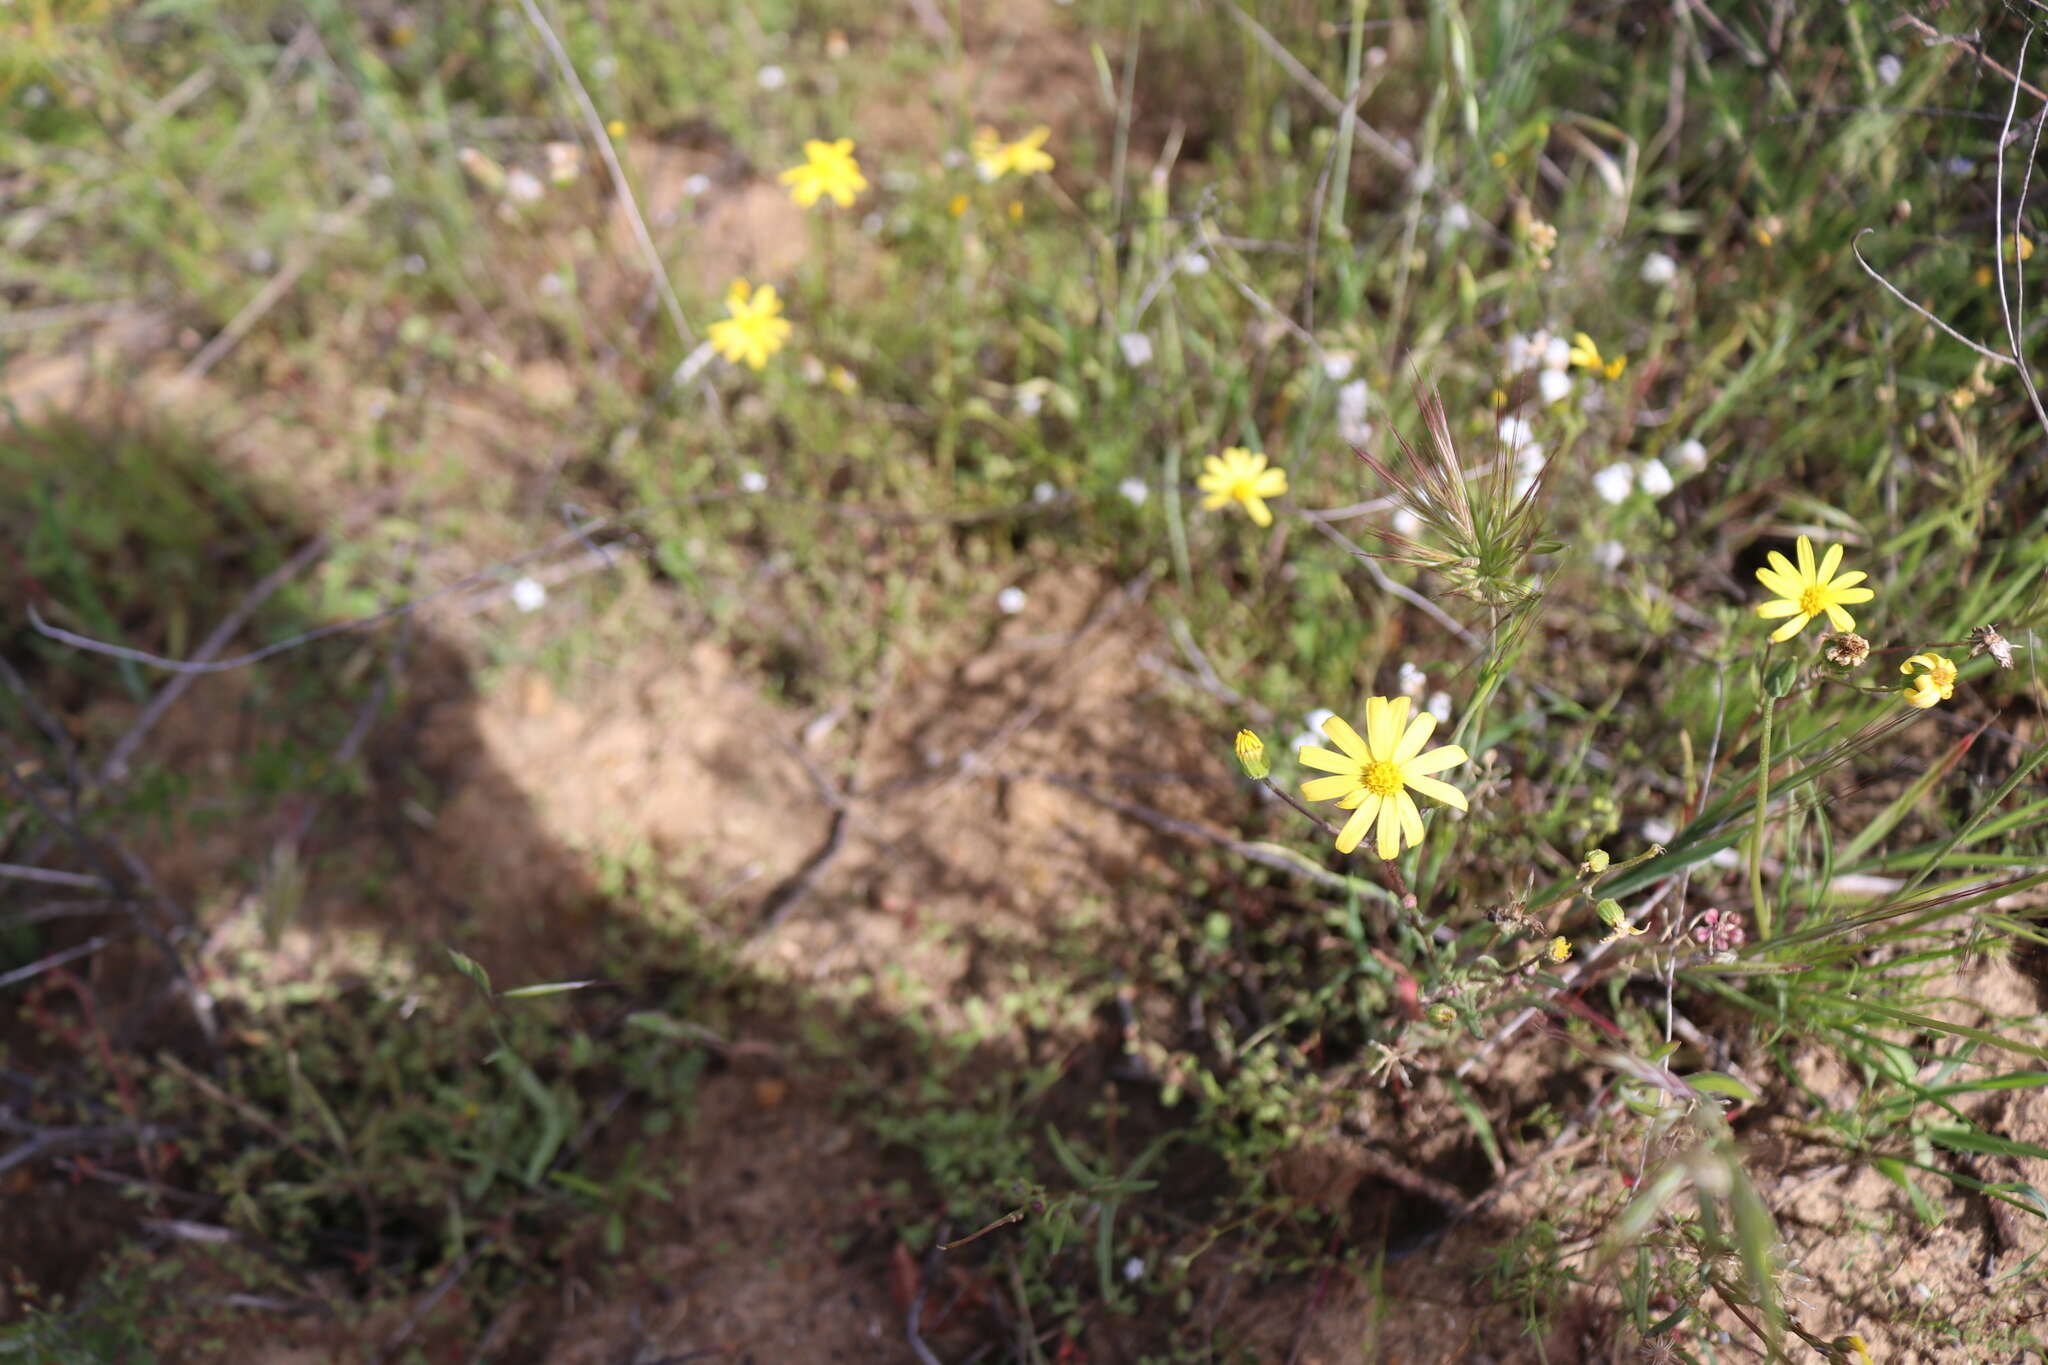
{"x": 547, "y": 988}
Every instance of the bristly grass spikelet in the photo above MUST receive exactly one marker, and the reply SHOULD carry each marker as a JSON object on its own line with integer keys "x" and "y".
{"x": 1482, "y": 526}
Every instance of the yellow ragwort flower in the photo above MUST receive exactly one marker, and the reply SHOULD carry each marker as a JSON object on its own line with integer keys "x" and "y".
{"x": 1560, "y": 948}
{"x": 1238, "y": 475}
{"x": 1806, "y": 592}
{"x": 1375, "y": 773}
{"x": 829, "y": 170}
{"x": 1586, "y": 356}
{"x": 1936, "y": 683}
{"x": 756, "y": 329}
{"x": 995, "y": 158}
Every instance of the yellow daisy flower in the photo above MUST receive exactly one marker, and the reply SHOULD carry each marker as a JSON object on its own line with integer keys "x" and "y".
{"x": 1560, "y": 948}
{"x": 829, "y": 170}
{"x": 1375, "y": 773}
{"x": 1806, "y": 592}
{"x": 756, "y": 329}
{"x": 1586, "y": 356}
{"x": 1937, "y": 683}
{"x": 1238, "y": 475}
{"x": 995, "y": 158}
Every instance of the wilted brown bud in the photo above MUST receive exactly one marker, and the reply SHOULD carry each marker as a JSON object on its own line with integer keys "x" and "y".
{"x": 1848, "y": 649}
{"x": 1987, "y": 640}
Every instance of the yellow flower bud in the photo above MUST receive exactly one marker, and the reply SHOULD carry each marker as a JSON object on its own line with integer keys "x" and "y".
{"x": 1251, "y": 753}
{"x": 1560, "y": 948}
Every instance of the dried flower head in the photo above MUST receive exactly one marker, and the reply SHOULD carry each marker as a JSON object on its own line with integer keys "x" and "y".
{"x": 1847, "y": 650}
{"x": 1986, "y": 640}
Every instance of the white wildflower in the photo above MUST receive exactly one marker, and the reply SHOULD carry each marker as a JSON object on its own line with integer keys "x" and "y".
{"x": 1193, "y": 263}
{"x": 771, "y": 77}
{"x": 1455, "y": 220}
{"x": 1554, "y": 385}
{"x": 1311, "y": 735}
{"x": 1030, "y": 399}
{"x": 1689, "y": 454}
{"x": 1439, "y": 705}
{"x": 1010, "y": 601}
{"x": 1557, "y": 353}
{"x": 523, "y": 186}
{"x": 1134, "y": 1269}
{"x": 528, "y": 594}
{"x": 1406, "y": 523}
{"x": 1337, "y": 365}
{"x": 1608, "y": 554}
{"x": 753, "y": 481}
{"x": 1515, "y": 432}
{"x": 1659, "y": 269}
{"x": 694, "y": 185}
{"x": 1410, "y": 679}
{"x": 1653, "y": 478}
{"x": 1137, "y": 349}
{"x": 1352, "y": 401}
{"x": 1043, "y": 493}
{"x": 1614, "y": 482}
{"x": 565, "y": 162}
{"x": 1889, "y": 69}
{"x": 1135, "y": 491}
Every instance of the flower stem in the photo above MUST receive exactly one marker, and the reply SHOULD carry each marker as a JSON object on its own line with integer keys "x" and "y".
{"x": 1756, "y": 838}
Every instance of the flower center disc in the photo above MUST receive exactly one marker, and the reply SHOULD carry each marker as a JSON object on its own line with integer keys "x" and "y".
{"x": 1812, "y": 601}
{"x": 1381, "y": 778}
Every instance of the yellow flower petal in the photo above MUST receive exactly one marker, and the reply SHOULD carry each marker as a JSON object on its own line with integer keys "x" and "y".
{"x": 1852, "y": 596}
{"x": 1419, "y": 731}
{"x": 1841, "y": 620}
{"x": 1361, "y": 820}
{"x": 1389, "y": 834}
{"x": 1806, "y": 572}
{"x": 1778, "y": 583}
{"x": 1830, "y": 562}
{"x": 1330, "y": 788}
{"x": 1783, "y": 567}
{"x": 1790, "y": 628}
{"x": 1435, "y": 761}
{"x": 1344, "y": 737}
{"x": 1327, "y": 761}
{"x": 1255, "y": 508}
{"x": 1437, "y": 790}
{"x": 1848, "y": 580}
{"x": 1411, "y": 819}
{"x": 1380, "y": 730}
{"x": 1776, "y": 608}
{"x": 1271, "y": 483}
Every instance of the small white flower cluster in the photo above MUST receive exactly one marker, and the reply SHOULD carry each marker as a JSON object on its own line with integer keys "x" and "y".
{"x": 1311, "y": 735}
{"x": 1549, "y": 355}
{"x": 1413, "y": 682}
{"x": 1653, "y": 477}
{"x": 1518, "y": 442}
{"x": 1352, "y": 401}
